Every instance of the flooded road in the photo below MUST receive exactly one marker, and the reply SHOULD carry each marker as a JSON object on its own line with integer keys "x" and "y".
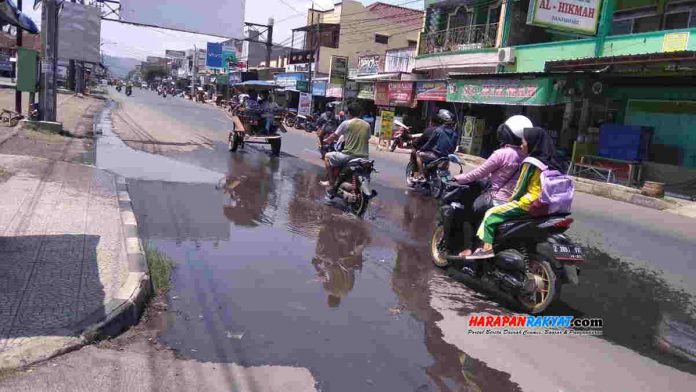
{"x": 268, "y": 273}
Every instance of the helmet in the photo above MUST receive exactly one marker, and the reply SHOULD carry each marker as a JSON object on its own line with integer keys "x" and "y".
{"x": 516, "y": 124}
{"x": 445, "y": 116}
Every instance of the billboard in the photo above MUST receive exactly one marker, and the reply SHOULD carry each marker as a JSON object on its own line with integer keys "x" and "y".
{"x": 213, "y": 17}
{"x": 339, "y": 70}
{"x": 174, "y": 54}
{"x": 79, "y": 33}
{"x": 368, "y": 65}
{"x": 213, "y": 56}
{"x": 231, "y": 56}
{"x": 578, "y": 16}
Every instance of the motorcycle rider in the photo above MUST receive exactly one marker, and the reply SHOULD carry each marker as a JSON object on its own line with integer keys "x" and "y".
{"x": 536, "y": 143}
{"x": 357, "y": 145}
{"x": 441, "y": 143}
{"x": 501, "y": 168}
{"x": 327, "y": 123}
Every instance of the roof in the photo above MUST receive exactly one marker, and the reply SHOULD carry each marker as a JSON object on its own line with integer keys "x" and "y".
{"x": 605, "y": 63}
{"x": 260, "y": 84}
{"x": 314, "y": 26}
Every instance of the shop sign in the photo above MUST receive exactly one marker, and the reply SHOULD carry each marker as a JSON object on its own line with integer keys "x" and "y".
{"x": 368, "y": 65}
{"x": 213, "y": 57}
{"x": 334, "y": 91}
{"x": 382, "y": 94}
{"x": 579, "y": 16}
{"x": 366, "y": 91}
{"x": 535, "y": 92}
{"x": 431, "y": 91}
{"x": 302, "y": 86}
{"x": 319, "y": 88}
{"x": 304, "y": 106}
{"x": 386, "y": 125}
{"x": 339, "y": 70}
{"x": 675, "y": 42}
{"x": 289, "y": 80}
{"x": 351, "y": 89}
{"x": 472, "y": 135}
{"x": 400, "y": 93}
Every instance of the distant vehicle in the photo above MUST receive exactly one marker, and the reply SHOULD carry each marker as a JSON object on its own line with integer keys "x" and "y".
{"x": 143, "y": 85}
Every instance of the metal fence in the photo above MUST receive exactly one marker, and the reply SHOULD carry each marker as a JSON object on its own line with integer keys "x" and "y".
{"x": 460, "y": 38}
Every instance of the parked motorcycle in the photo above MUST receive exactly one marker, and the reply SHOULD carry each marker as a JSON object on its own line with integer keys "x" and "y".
{"x": 354, "y": 180}
{"x": 311, "y": 123}
{"x": 402, "y": 137}
{"x": 300, "y": 121}
{"x": 289, "y": 119}
{"x": 534, "y": 257}
{"x": 437, "y": 174}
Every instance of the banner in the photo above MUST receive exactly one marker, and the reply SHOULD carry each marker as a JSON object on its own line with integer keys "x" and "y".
{"x": 79, "y": 33}
{"x": 304, "y": 106}
{"x": 213, "y": 56}
{"x": 174, "y": 54}
{"x": 350, "y": 90}
{"x": 289, "y": 80}
{"x": 382, "y": 93}
{"x": 368, "y": 65}
{"x": 319, "y": 88}
{"x": 534, "y": 92}
{"x": 334, "y": 91}
{"x": 431, "y": 91}
{"x": 231, "y": 55}
{"x": 386, "y": 125}
{"x": 339, "y": 70}
{"x": 578, "y": 16}
{"x": 366, "y": 91}
{"x": 400, "y": 93}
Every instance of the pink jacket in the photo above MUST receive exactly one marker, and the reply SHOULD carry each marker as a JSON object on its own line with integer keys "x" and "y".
{"x": 503, "y": 167}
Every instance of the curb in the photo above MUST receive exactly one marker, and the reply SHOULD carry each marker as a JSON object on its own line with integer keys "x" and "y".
{"x": 122, "y": 311}
{"x": 8, "y": 136}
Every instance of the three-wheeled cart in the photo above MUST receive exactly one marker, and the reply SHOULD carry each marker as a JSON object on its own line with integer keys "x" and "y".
{"x": 250, "y": 121}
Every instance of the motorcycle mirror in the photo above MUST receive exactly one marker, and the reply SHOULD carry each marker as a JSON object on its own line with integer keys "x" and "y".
{"x": 454, "y": 158}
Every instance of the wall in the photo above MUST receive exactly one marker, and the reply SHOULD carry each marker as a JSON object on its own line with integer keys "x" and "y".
{"x": 532, "y": 58}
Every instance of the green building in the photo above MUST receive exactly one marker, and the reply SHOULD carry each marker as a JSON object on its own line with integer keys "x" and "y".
{"x": 572, "y": 65}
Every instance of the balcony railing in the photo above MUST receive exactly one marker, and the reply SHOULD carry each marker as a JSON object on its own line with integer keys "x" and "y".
{"x": 460, "y": 38}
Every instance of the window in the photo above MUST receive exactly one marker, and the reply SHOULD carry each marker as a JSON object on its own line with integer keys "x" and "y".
{"x": 619, "y": 27}
{"x": 412, "y": 43}
{"x": 644, "y": 25}
{"x": 677, "y": 20}
{"x": 461, "y": 17}
{"x": 381, "y": 39}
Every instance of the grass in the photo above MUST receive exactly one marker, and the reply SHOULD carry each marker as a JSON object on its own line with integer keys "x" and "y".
{"x": 160, "y": 267}
{"x": 4, "y": 174}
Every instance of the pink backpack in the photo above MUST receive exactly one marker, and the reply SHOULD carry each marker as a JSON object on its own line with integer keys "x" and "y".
{"x": 557, "y": 190}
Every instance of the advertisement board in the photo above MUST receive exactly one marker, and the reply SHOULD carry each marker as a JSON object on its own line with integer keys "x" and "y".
{"x": 334, "y": 91}
{"x": 368, "y": 65}
{"x": 174, "y": 54}
{"x": 382, "y": 94}
{"x": 366, "y": 91}
{"x": 431, "y": 91}
{"x": 231, "y": 55}
{"x": 339, "y": 70}
{"x": 212, "y": 17}
{"x": 79, "y": 33}
{"x": 386, "y": 125}
{"x": 578, "y": 16}
{"x": 304, "y": 106}
{"x": 289, "y": 80}
{"x": 400, "y": 93}
{"x": 350, "y": 90}
{"x": 533, "y": 92}
{"x": 213, "y": 56}
{"x": 319, "y": 88}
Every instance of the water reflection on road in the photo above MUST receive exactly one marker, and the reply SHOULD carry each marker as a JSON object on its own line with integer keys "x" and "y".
{"x": 267, "y": 273}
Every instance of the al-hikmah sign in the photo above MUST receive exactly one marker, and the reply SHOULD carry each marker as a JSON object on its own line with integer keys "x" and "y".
{"x": 578, "y": 16}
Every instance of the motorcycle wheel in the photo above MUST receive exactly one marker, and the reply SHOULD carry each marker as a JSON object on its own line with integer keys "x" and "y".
{"x": 289, "y": 122}
{"x": 360, "y": 205}
{"x": 548, "y": 286}
{"x": 410, "y": 169}
{"x": 392, "y": 148}
{"x": 437, "y": 248}
{"x": 234, "y": 142}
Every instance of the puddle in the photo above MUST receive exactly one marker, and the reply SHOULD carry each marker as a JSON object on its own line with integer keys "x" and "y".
{"x": 114, "y": 155}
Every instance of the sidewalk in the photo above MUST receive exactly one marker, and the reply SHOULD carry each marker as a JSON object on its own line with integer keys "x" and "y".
{"x": 71, "y": 266}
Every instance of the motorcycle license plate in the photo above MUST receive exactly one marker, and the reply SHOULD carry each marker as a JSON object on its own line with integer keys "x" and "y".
{"x": 568, "y": 252}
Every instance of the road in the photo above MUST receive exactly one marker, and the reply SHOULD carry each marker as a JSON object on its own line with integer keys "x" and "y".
{"x": 267, "y": 273}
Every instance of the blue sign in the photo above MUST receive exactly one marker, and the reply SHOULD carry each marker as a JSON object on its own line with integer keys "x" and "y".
{"x": 213, "y": 58}
{"x": 319, "y": 88}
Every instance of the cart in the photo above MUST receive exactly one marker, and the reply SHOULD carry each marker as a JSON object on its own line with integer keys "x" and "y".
{"x": 249, "y": 123}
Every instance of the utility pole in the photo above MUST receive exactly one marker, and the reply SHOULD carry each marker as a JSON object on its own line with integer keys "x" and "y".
{"x": 49, "y": 63}
{"x": 71, "y": 72}
{"x": 269, "y": 37}
{"x": 18, "y": 94}
{"x": 194, "y": 68}
{"x": 309, "y": 81}
{"x": 269, "y": 42}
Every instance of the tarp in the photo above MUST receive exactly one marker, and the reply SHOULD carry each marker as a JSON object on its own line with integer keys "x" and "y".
{"x": 505, "y": 91}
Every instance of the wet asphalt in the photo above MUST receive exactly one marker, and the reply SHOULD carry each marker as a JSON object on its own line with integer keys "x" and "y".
{"x": 268, "y": 273}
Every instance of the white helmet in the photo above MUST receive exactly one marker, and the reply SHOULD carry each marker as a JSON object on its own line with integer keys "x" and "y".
{"x": 517, "y": 123}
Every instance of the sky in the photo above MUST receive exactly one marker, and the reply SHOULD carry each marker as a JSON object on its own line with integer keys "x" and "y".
{"x": 124, "y": 40}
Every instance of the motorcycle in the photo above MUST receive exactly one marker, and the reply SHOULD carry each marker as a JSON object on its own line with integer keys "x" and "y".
{"x": 437, "y": 174}
{"x": 300, "y": 121}
{"x": 129, "y": 90}
{"x": 354, "y": 180}
{"x": 534, "y": 257}
{"x": 289, "y": 119}
{"x": 118, "y": 88}
{"x": 325, "y": 148}
{"x": 402, "y": 138}
{"x": 311, "y": 123}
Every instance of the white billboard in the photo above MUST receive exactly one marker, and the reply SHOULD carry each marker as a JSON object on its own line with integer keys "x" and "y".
{"x": 79, "y": 33}
{"x": 579, "y": 16}
{"x": 223, "y": 18}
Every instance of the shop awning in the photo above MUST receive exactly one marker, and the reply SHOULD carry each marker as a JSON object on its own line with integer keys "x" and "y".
{"x": 625, "y": 63}
{"x": 392, "y": 76}
{"x": 535, "y": 91}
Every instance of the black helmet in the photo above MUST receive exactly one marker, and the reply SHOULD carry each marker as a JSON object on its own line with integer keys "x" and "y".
{"x": 444, "y": 116}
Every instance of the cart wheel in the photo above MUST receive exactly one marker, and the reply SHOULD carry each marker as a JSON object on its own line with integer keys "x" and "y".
{"x": 234, "y": 142}
{"x": 275, "y": 147}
